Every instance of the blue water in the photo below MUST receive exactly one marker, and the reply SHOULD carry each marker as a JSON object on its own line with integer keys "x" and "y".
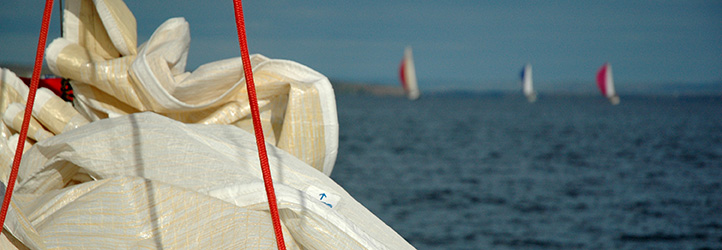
{"x": 567, "y": 172}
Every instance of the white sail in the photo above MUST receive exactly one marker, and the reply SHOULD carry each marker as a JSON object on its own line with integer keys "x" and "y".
{"x": 527, "y": 83}
{"x": 407, "y": 73}
{"x": 605, "y": 82}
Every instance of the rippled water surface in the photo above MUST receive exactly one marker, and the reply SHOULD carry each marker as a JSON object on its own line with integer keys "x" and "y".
{"x": 485, "y": 172}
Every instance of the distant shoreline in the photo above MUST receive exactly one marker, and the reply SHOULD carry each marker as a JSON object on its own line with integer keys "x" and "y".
{"x": 375, "y": 89}
{"x": 357, "y": 88}
{"x": 664, "y": 90}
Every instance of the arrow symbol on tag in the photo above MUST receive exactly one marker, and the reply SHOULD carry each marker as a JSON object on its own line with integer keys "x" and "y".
{"x": 323, "y": 195}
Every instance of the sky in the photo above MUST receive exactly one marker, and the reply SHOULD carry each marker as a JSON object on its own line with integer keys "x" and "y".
{"x": 457, "y": 44}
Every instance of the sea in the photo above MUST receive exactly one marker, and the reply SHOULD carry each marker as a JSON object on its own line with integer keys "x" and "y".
{"x": 475, "y": 171}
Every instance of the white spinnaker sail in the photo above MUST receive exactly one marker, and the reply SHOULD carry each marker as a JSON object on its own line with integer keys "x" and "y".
{"x": 527, "y": 83}
{"x": 408, "y": 75}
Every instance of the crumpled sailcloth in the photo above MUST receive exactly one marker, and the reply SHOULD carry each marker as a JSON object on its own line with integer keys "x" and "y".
{"x": 146, "y": 181}
{"x": 111, "y": 77}
{"x": 151, "y": 156}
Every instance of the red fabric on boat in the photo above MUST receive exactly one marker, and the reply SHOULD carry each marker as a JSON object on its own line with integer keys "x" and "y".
{"x": 54, "y": 84}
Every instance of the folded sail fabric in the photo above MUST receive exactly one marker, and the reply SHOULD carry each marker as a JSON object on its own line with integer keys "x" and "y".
{"x": 111, "y": 77}
{"x": 153, "y": 156}
{"x": 12, "y": 89}
{"x": 13, "y": 117}
{"x": 148, "y": 180}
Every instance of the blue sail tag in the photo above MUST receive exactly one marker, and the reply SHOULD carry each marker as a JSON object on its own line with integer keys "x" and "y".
{"x": 329, "y": 199}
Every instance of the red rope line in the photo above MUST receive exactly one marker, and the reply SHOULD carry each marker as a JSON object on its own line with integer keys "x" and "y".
{"x": 260, "y": 142}
{"x": 28, "y": 108}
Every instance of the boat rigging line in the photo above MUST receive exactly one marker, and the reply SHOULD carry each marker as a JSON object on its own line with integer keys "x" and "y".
{"x": 260, "y": 141}
{"x": 34, "y": 81}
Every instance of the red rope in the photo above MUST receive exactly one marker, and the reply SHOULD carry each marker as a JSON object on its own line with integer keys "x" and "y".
{"x": 28, "y": 108}
{"x": 260, "y": 142}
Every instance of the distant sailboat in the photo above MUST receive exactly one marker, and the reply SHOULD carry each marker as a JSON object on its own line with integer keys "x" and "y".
{"x": 407, "y": 73}
{"x": 606, "y": 83}
{"x": 527, "y": 84}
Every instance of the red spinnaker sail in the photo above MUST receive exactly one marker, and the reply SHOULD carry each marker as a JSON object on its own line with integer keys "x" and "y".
{"x": 402, "y": 74}
{"x": 602, "y": 79}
